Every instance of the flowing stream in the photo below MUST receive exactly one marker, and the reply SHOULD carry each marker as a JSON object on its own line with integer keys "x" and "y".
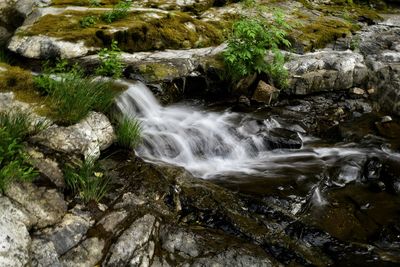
{"x": 356, "y": 182}
{"x": 216, "y": 144}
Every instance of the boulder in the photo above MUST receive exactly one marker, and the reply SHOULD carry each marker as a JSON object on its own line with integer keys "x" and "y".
{"x": 88, "y": 137}
{"x": 47, "y": 206}
{"x": 265, "y": 93}
{"x": 380, "y": 46}
{"x": 325, "y": 70}
{"x": 14, "y": 236}
{"x": 282, "y": 138}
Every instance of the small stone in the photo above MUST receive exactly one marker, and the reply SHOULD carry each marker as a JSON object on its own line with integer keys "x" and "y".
{"x": 244, "y": 101}
{"x": 386, "y": 119}
{"x": 371, "y": 91}
{"x": 339, "y": 111}
{"x": 357, "y": 91}
{"x": 265, "y": 93}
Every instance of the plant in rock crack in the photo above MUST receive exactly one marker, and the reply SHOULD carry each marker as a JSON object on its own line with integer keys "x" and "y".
{"x": 250, "y": 42}
{"x": 110, "y": 61}
{"x": 72, "y": 94}
{"x": 88, "y": 181}
{"x": 119, "y": 11}
{"x": 15, "y": 126}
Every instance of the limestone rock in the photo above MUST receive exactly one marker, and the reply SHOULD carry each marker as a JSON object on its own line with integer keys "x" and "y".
{"x": 68, "y": 233}
{"x": 87, "y": 137}
{"x": 325, "y": 70}
{"x": 14, "y": 235}
{"x": 44, "y": 254}
{"x": 135, "y": 246}
{"x": 86, "y": 254}
{"x": 265, "y": 93}
{"x": 42, "y": 47}
{"x": 46, "y": 205}
{"x": 46, "y": 166}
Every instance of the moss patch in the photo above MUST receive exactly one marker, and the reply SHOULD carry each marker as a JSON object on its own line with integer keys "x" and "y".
{"x": 20, "y": 82}
{"x": 141, "y": 31}
{"x": 324, "y": 31}
{"x": 155, "y": 71}
{"x": 103, "y": 3}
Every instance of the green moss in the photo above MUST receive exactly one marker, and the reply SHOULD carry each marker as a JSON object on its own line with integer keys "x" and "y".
{"x": 157, "y": 71}
{"x": 141, "y": 31}
{"x": 20, "y": 82}
{"x": 323, "y": 31}
{"x": 103, "y": 3}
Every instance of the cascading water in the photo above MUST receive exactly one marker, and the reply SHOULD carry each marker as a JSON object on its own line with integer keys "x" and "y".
{"x": 211, "y": 144}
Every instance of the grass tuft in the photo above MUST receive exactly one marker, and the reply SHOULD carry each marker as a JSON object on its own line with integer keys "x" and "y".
{"x": 128, "y": 132}
{"x": 88, "y": 181}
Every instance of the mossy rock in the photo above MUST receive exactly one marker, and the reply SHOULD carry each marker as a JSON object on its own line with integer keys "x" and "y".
{"x": 20, "y": 82}
{"x": 140, "y": 31}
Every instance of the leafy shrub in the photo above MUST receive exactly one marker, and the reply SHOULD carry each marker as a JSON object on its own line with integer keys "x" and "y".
{"x": 88, "y": 181}
{"x": 119, "y": 11}
{"x": 88, "y": 21}
{"x": 14, "y": 127}
{"x": 110, "y": 61}
{"x": 249, "y": 43}
{"x": 128, "y": 132}
{"x": 72, "y": 94}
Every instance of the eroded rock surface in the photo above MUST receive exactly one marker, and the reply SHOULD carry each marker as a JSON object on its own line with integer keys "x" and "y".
{"x": 88, "y": 137}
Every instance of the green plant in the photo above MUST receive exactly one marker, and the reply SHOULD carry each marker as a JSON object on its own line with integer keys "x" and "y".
{"x": 88, "y": 181}
{"x": 88, "y": 21}
{"x": 14, "y": 166}
{"x": 249, "y": 43}
{"x": 110, "y": 61}
{"x": 94, "y": 3}
{"x": 128, "y": 132}
{"x": 73, "y": 95}
{"x": 119, "y": 11}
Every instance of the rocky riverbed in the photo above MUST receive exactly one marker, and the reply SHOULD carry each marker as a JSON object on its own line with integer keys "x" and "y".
{"x": 319, "y": 185}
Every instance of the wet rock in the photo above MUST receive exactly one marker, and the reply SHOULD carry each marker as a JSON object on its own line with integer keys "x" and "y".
{"x": 243, "y": 102}
{"x": 47, "y": 206}
{"x": 283, "y": 138}
{"x": 14, "y": 235}
{"x": 44, "y": 254}
{"x": 265, "y": 93}
{"x": 379, "y": 47}
{"x": 388, "y": 129}
{"x": 384, "y": 173}
{"x": 88, "y": 137}
{"x": 87, "y": 253}
{"x": 135, "y": 246}
{"x": 232, "y": 257}
{"x": 244, "y": 85}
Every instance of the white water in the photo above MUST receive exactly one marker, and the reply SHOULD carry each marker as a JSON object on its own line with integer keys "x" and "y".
{"x": 210, "y": 144}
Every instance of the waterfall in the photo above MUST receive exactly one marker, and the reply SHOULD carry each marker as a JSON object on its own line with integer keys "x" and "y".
{"x": 211, "y": 144}
{"x": 203, "y": 142}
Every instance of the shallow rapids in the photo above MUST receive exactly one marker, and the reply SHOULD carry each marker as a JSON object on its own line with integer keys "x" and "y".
{"x": 228, "y": 144}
